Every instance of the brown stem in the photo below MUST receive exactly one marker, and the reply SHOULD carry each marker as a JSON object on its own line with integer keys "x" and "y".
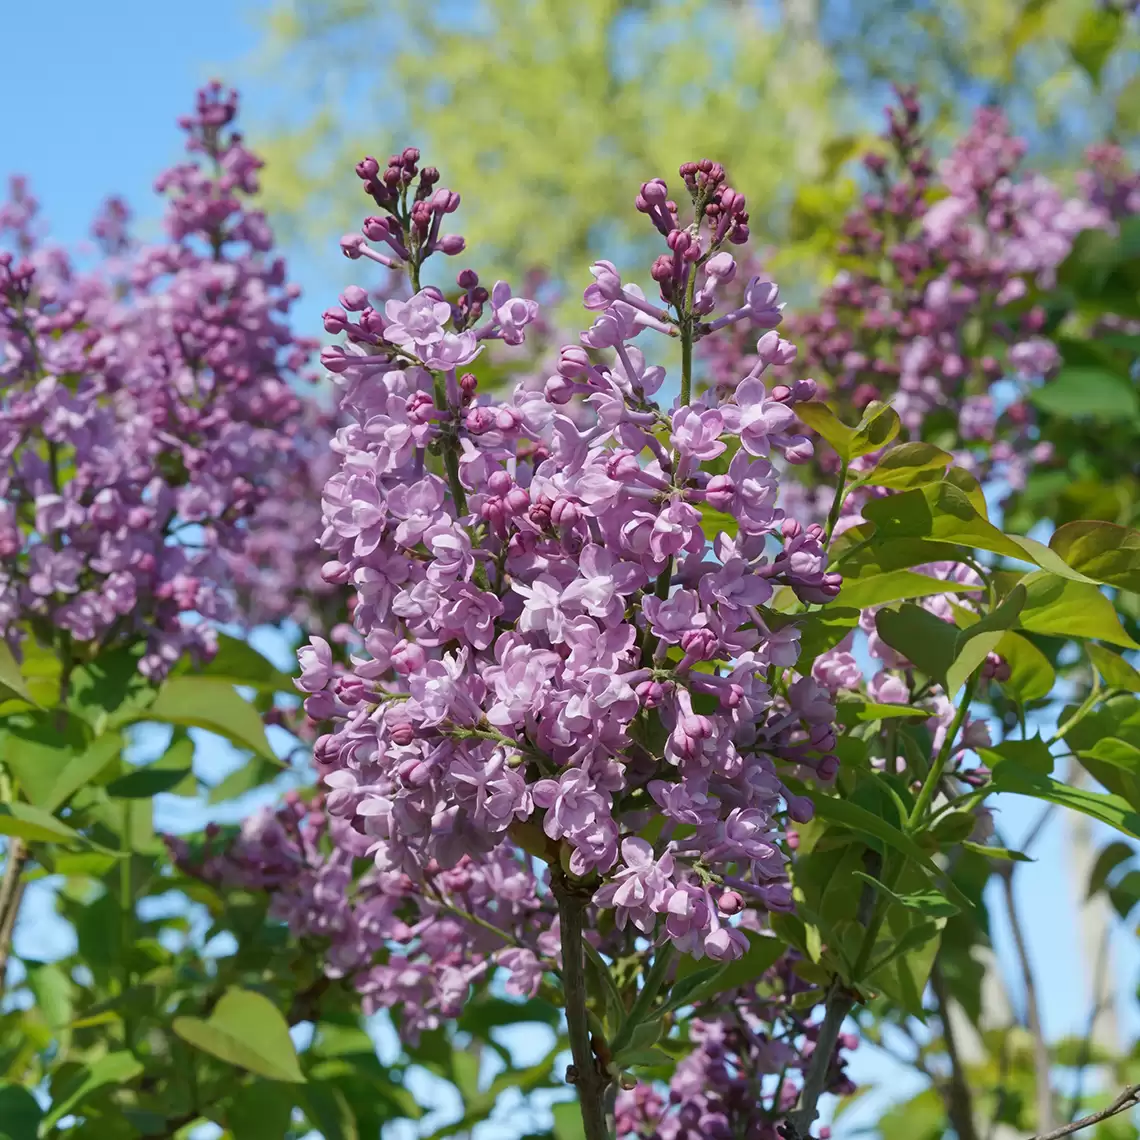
{"x": 1128, "y": 1099}
{"x": 1041, "y": 1065}
{"x": 959, "y": 1102}
{"x": 839, "y": 1004}
{"x": 11, "y": 893}
{"x": 584, "y": 1074}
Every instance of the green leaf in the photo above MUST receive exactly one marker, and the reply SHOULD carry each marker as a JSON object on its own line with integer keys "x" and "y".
{"x": 914, "y": 937}
{"x": 260, "y": 1111}
{"x": 856, "y": 711}
{"x": 112, "y": 1069}
{"x": 51, "y": 988}
{"x": 1006, "y": 854}
{"x": 1096, "y": 34}
{"x": 20, "y": 1114}
{"x": 763, "y": 951}
{"x": 27, "y": 822}
{"x": 1064, "y": 608}
{"x": 1102, "y": 551}
{"x": 977, "y": 641}
{"x": 37, "y": 747}
{"x": 240, "y": 664}
{"x": 714, "y": 521}
{"x": 12, "y": 684}
{"x": 252, "y": 774}
{"x": 110, "y": 685}
{"x": 248, "y": 1030}
{"x": 328, "y": 1111}
{"x": 1031, "y": 676}
{"x": 643, "y": 1058}
{"x": 82, "y": 770}
{"x": 205, "y": 702}
{"x": 907, "y": 465}
{"x": 864, "y": 822}
{"x": 879, "y": 425}
{"x": 940, "y": 511}
{"x": 822, "y": 631}
{"x": 615, "y": 1008}
{"x": 1111, "y": 809}
{"x": 926, "y": 902}
{"x": 1032, "y": 754}
{"x": 1119, "y": 753}
{"x": 822, "y": 420}
{"x": 1125, "y": 894}
{"x": 926, "y": 640}
{"x": 893, "y": 586}
{"x": 179, "y": 757}
{"x": 568, "y": 1121}
{"x": 144, "y": 783}
{"x": 486, "y": 1012}
{"x": 684, "y": 988}
{"x": 1088, "y": 393}
{"x": 1107, "y": 861}
{"x": 1117, "y": 673}
{"x": 1127, "y": 113}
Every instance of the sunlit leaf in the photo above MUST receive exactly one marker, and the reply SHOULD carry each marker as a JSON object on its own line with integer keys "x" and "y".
{"x": 248, "y": 1030}
{"x": 212, "y": 704}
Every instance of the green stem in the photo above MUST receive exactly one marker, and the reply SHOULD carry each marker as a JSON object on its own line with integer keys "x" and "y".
{"x": 837, "y": 505}
{"x": 1083, "y": 710}
{"x": 585, "y": 1075}
{"x": 934, "y": 776}
{"x": 126, "y": 919}
{"x": 838, "y": 1006}
{"x": 654, "y": 980}
{"x": 448, "y": 446}
{"x": 11, "y": 894}
{"x": 686, "y": 328}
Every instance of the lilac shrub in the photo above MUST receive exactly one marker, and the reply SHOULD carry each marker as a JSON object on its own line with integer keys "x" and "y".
{"x": 558, "y": 666}
{"x": 147, "y": 405}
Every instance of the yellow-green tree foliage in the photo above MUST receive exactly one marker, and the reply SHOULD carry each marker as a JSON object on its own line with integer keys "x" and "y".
{"x": 547, "y": 114}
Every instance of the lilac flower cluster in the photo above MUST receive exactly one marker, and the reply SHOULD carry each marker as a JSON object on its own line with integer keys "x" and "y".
{"x": 144, "y": 407}
{"x": 416, "y": 947}
{"x": 744, "y": 1074}
{"x": 556, "y": 658}
{"x": 1110, "y": 184}
{"x": 931, "y": 307}
{"x": 971, "y": 251}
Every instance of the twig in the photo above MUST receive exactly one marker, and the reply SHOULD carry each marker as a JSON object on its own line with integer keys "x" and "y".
{"x": 1130, "y": 1098}
{"x": 839, "y": 1004}
{"x": 959, "y": 1102}
{"x": 11, "y": 893}
{"x": 1041, "y": 1065}
{"x": 585, "y": 1074}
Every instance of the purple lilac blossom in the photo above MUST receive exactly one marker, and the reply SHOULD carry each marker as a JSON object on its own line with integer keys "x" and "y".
{"x": 145, "y": 407}
{"x": 555, "y": 653}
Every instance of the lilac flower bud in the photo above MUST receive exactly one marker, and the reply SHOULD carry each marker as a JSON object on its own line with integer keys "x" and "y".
{"x": 730, "y": 902}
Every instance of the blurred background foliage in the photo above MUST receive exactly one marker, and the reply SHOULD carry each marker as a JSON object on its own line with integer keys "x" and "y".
{"x": 553, "y": 113}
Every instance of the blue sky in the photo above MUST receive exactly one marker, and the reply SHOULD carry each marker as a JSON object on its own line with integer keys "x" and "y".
{"x": 99, "y": 86}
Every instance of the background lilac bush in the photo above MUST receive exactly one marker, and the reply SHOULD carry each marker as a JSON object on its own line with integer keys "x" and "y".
{"x": 632, "y": 715}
